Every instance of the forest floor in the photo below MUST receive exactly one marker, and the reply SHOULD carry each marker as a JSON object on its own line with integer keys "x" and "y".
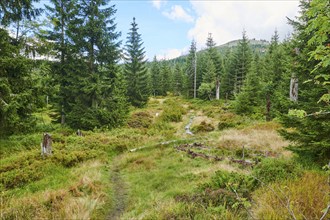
{"x": 232, "y": 167}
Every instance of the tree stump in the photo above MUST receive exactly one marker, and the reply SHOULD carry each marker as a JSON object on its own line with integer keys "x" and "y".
{"x": 46, "y": 145}
{"x": 79, "y": 133}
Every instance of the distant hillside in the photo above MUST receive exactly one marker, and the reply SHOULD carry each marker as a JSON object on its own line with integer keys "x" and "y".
{"x": 257, "y": 46}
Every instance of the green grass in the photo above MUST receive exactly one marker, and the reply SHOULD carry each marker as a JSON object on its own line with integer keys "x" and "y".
{"x": 160, "y": 181}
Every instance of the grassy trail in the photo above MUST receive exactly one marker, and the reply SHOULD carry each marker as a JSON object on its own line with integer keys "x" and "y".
{"x": 152, "y": 169}
{"x": 119, "y": 188}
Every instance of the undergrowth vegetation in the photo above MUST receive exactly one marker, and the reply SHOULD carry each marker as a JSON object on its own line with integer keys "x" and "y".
{"x": 231, "y": 168}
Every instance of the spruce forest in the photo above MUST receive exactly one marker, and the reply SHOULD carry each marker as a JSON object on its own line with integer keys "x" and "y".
{"x": 92, "y": 129}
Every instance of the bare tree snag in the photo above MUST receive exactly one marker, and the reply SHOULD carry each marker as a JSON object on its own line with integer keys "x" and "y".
{"x": 217, "y": 86}
{"x": 268, "y": 106}
{"x": 187, "y": 128}
{"x": 243, "y": 153}
{"x": 79, "y": 133}
{"x": 46, "y": 145}
{"x": 294, "y": 89}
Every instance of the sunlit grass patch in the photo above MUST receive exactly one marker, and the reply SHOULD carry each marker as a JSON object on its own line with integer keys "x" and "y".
{"x": 262, "y": 138}
{"x": 74, "y": 199}
{"x": 303, "y": 198}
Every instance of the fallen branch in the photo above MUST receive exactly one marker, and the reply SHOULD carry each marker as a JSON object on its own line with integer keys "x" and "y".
{"x": 326, "y": 212}
{"x": 242, "y": 202}
{"x": 242, "y": 162}
{"x": 186, "y": 148}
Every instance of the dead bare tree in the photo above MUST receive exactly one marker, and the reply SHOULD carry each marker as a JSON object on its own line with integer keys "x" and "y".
{"x": 46, "y": 145}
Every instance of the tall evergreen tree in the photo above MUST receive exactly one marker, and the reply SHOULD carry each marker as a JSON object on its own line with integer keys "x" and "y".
{"x": 15, "y": 12}
{"x": 243, "y": 58}
{"x": 17, "y": 97}
{"x": 215, "y": 57}
{"x": 155, "y": 77}
{"x": 248, "y": 101}
{"x": 166, "y": 78}
{"x": 60, "y": 14}
{"x": 311, "y": 124}
{"x": 94, "y": 74}
{"x": 276, "y": 78}
{"x": 135, "y": 68}
{"x": 190, "y": 69}
{"x": 212, "y": 70}
{"x": 178, "y": 80}
{"x": 229, "y": 76}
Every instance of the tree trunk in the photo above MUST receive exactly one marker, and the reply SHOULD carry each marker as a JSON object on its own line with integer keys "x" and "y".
{"x": 217, "y": 93}
{"x": 294, "y": 89}
{"x": 268, "y": 106}
{"x": 46, "y": 145}
{"x": 62, "y": 116}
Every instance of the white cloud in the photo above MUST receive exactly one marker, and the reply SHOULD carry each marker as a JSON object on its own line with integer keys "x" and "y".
{"x": 227, "y": 19}
{"x": 158, "y": 3}
{"x": 178, "y": 13}
{"x": 172, "y": 53}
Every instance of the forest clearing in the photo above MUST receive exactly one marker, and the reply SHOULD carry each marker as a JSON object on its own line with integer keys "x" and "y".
{"x": 99, "y": 125}
{"x": 99, "y": 176}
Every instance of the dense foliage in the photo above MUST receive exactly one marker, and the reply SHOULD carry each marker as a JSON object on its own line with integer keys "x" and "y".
{"x": 88, "y": 89}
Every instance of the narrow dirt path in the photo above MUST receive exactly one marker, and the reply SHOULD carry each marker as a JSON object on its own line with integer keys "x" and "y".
{"x": 120, "y": 194}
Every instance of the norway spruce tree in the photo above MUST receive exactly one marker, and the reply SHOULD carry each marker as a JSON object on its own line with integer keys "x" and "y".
{"x": 248, "y": 101}
{"x": 214, "y": 56}
{"x": 60, "y": 13}
{"x": 190, "y": 70}
{"x": 135, "y": 68}
{"x": 242, "y": 61}
{"x": 276, "y": 77}
{"x": 96, "y": 94}
{"x": 155, "y": 77}
{"x": 17, "y": 98}
{"x": 308, "y": 124}
{"x": 166, "y": 78}
{"x": 229, "y": 76}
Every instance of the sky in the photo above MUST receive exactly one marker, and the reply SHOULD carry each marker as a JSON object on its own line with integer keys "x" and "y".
{"x": 167, "y": 27}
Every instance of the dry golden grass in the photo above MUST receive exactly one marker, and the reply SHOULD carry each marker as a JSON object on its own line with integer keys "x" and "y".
{"x": 307, "y": 197}
{"x": 78, "y": 201}
{"x": 223, "y": 165}
{"x": 263, "y": 137}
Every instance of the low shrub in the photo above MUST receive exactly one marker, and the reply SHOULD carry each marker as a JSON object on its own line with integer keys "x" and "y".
{"x": 275, "y": 169}
{"x": 71, "y": 158}
{"x": 19, "y": 177}
{"x": 229, "y": 120}
{"x": 226, "y": 187}
{"x": 203, "y": 127}
{"x": 140, "y": 120}
{"x": 172, "y": 111}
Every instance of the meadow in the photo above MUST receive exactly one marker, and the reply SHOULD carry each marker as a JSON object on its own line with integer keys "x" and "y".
{"x": 232, "y": 167}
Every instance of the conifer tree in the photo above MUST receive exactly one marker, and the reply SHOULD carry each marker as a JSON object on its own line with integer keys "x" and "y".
{"x": 243, "y": 57}
{"x": 310, "y": 123}
{"x": 60, "y": 13}
{"x": 214, "y": 56}
{"x": 155, "y": 77}
{"x": 190, "y": 69}
{"x": 276, "y": 78}
{"x": 248, "y": 101}
{"x": 135, "y": 68}
{"x": 17, "y": 98}
{"x": 178, "y": 81}
{"x": 94, "y": 72}
{"x": 166, "y": 78}
{"x": 15, "y": 12}
{"x": 229, "y": 76}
